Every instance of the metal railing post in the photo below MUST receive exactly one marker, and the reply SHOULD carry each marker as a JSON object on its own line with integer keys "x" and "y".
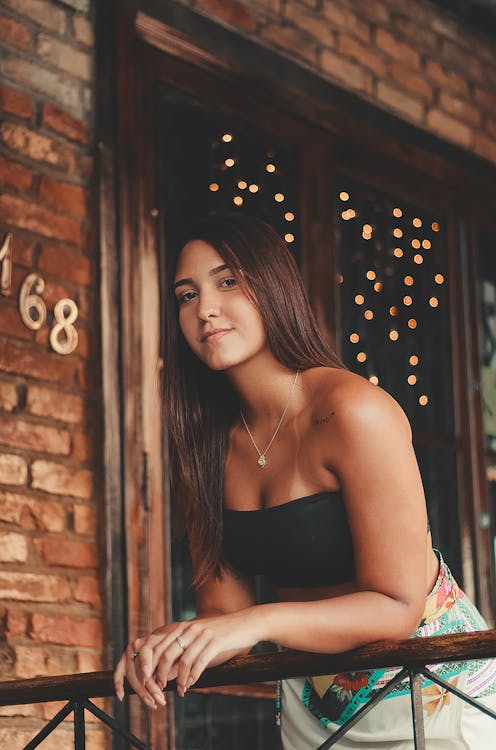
{"x": 417, "y": 709}
{"x": 79, "y": 728}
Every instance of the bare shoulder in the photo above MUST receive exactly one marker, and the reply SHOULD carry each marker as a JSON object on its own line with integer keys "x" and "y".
{"x": 345, "y": 403}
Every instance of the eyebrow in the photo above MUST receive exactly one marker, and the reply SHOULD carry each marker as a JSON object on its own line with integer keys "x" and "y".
{"x": 212, "y": 272}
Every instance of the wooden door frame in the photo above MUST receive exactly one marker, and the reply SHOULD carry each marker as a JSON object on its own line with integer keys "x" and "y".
{"x": 129, "y": 35}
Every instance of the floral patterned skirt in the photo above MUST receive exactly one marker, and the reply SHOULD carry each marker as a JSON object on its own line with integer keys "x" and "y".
{"x": 312, "y": 708}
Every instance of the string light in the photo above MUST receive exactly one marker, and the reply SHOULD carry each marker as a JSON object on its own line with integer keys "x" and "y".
{"x": 289, "y": 216}
{"x": 426, "y": 244}
{"x": 367, "y": 228}
{"x": 229, "y": 162}
{"x": 242, "y": 185}
{"x": 253, "y": 188}
{"x": 412, "y": 323}
{"x": 407, "y": 300}
{"x": 238, "y": 200}
{"x": 412, "y": 379}
{"x": 227, "y": 137}
{"x": 414, "y": 360}
{"x": 374, "y": 380}
{"x": 366, "y": 236}
{"x": 361, "y": 356}
{"x": 279, "y": 197}
{"x": 378, "y": 286}
{"x": 418, "y": 258}
{"x": 433, "y": 302}
{"x": 397, "y": 212}
{"x": 368, "y": 315}
{"x": 371, "y": 275}
{"x": 351, "y": 213}
{"x": 416, "y": 244}
{"x": 435, "y": 228}
{"x": 359, "y": 299}
{"x": 439, "y": 278}
{"x": 344, "y": 195}
{"x": 408, "y": 280}
{"x": 397, "y": 232}
{"x": 423, "y": 400}
{"x": 394, "y": 335}
{"x": 270, "y": 168}
{"x": 345, "y": 215}
{"x": 354, "y": 338}
{"x": 289, "y": 237}
{"x": 398, "y": 252}
{"x": 417, "y": 222}
{"x": 393, "y": 310}
{"x": 339, "y": 278}
{"x": 213, "y": 187}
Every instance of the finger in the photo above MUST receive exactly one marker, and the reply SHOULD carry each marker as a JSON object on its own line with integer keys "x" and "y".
{"x": 202, "y": 661}
{"x": 189, "y": 659}
{"x": 167, "y": 666}
{"x": 151, "y": 651}
{"x": 119, "y": 673}
{"x": 133, "y": 679}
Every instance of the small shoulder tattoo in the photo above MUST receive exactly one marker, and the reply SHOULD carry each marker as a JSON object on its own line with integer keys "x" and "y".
{"x": 323, "y": 420}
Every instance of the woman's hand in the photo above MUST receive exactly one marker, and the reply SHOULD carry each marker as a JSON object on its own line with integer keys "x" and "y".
{"x": 183, "y": 650}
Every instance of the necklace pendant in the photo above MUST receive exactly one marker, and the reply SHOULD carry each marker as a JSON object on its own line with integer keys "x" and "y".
{"x": 262, "y": 462}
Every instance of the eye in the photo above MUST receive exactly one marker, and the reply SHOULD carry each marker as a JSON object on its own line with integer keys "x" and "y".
{"x": 228, "y": 281}
{"x": 184, "y": 297}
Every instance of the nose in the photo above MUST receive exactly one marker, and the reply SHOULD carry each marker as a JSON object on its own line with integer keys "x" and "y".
{"x": 208, "y": 305}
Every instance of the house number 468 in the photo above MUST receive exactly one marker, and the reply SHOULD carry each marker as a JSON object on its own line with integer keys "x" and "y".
{"x": 32, "y": 309}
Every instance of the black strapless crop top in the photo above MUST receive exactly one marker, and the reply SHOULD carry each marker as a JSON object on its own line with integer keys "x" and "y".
{"x": 302, "y": 543}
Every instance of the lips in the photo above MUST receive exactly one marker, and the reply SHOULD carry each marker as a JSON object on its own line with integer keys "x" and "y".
{"x": 215, "y": 334}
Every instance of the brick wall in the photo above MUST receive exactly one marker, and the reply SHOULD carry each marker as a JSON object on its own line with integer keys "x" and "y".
{"x": 408, "y": 58}
{"x": 50, "y": 496}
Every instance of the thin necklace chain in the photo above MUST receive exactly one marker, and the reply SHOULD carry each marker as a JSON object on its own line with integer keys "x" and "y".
{"x": 262, "y": 461}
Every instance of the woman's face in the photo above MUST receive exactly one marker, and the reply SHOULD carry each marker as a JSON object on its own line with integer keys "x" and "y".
{"x": 209, "y": 300}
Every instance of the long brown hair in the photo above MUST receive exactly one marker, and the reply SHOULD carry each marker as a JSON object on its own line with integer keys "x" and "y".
{"x": 200, "y": 403}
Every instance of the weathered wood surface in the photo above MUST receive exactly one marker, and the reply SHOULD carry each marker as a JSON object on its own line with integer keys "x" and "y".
{"x": 271, "y": 666}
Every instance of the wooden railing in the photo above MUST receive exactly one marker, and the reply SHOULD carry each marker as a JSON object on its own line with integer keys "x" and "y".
{"x": 412, "y": 655}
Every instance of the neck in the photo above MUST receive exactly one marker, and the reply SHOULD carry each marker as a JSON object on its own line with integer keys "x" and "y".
{"x": 263, "y": 385}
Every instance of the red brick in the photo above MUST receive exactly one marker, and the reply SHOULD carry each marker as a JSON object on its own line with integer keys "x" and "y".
{"x": 230, "y": 12}
{"x": 8, "y": 396}
{"x": 424, "y": 38}
{"x": 362, "y": 54}
{"x": 491, "y": 127}
{"x": 47, "y": 402}
{"x": 87, "y": 590}
{"x": 67, "y": 552}
{"x": 53, "y": 86}
{"x": 299, "y": 43}
{"x": 13, "y": 469}
{"x": 11, "y": 323}
{"x": 65, "y": 57}
{"x": 16, "y": 103}
{"x": 20, "y": 434}
{"x": 396, "y": 49}
{"x": 485, "y": 147}
{"x": 345, "y": 71}
{"x": 16, "y": 738}
{"x": 65, "y": 196}
{"x": 16, "y": 622}
{"x": 64, "y": 123}
{"x": 33, "y": 587}
{"x": 417, "y": 84}
{"x": 37, "y": 364}
{"x": 446, "y": 78}
{"x": 41, "y": 12}
{"x": 459, "y": 108}
{"x": 456, "y": 56}
{"x": 398, "y": 101}
{"x": 449, "y": 128}
{"x": 346, "y": 19}
{"x": 83, "y": 448}
{"x": 313, "y": 23}
{"x": 52, "y": 293}
{"x": 86, "y": 661}
{"x": 21, "y": 213}
{"x": 14, "y": 33}
{"x": 84, "y": 519}
{"x": 68, "y": 631}
{"x": 376, "y": 10}
{"x": 20, "y": 711}
{"x": 13, "y": 547}
{"x": 40, "y": 661}
{"x": 24, "y": 251}
{"x": 15, "y": 175}
{"x": 486, "y": 98}
{"x": 63, "y": 261}
{"x": 31, "y": 513}
{"x": 83, "y": 31}
{"x": 61, "y": 480}
{"x": 38, "y": 147}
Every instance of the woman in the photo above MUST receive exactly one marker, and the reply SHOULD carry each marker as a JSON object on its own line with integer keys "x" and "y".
{"x": 290, "y": 465}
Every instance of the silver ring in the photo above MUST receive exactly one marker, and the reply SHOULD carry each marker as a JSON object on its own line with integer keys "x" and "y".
{"x": 135, "y": 654}
{"x": 181, "y": 643}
